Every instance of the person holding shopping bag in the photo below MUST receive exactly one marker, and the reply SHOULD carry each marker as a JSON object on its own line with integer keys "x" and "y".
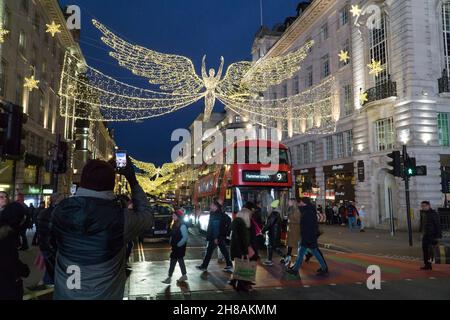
{"x": 241, "y": 250}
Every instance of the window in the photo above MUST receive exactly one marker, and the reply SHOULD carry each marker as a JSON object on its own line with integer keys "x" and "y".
{"x": 444, "y": 139}
{"x": 310, "y": 121}
{"x": 285, "y": 90}
{"x": 309, "y": 77}
{"x": 3, "y": 77}
{"x": 22, "y": 42}
{"x": 446, "y": 31}
{"x": 19, "y": 90}
{"x": 25, "y": 5}
{"x": 349, "y": 143}
{"x": 312, "y": 151}
{"x": 378, "y": 50}
{"x": 343, "y": 16}
{"x": 345, "y": 48}
{"x": 384, "y": 134}
{"x": 340, "y": 145}
{"x": 325, "y": 66}
{"x": 37, "y": 22}
{"x": 324, "y": 32}
{"x": 274, "y": 97}
{"x": 329, "y": 154}
{"x": 296, "y": 126}
{"x": 298, "y": 155}
{"x": 348, "y": 99}
{"x": 41, "y": 109}
{"x": 237, "y": 119}
{"x": 311, "y": 48}
{"x": 50, "y": 118}
{"x": 295, "y": 85}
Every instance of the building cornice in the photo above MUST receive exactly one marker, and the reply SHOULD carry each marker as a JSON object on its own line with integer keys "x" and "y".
{"x": 292, "y": 34}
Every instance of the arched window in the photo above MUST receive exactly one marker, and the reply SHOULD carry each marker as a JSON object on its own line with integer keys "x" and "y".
{"x": 378, "y": 50}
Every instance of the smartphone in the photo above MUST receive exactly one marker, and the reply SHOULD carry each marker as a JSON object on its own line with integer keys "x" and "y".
{"x": 121, "y": 159}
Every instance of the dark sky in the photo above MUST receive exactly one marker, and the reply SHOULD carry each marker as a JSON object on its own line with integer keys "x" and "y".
{"x": 187, "y": 27}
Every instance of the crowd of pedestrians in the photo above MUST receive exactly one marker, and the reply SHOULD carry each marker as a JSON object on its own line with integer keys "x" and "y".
{"x": 86, "y": 240}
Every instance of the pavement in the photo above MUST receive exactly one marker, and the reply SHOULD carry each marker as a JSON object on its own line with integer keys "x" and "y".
{"x": 372, "y": 241}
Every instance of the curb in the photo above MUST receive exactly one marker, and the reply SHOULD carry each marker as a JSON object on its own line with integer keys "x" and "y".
{"x": 333, "y": 247}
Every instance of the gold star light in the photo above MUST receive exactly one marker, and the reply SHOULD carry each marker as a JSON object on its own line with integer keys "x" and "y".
{"x": 31, "y": 83}
{"x": 375, "y": 67}
{"x": 343, "y": 56}
{"x": 356, "y": 10}
{"x": 3, "y": 33}
{"x": 53, "y": 28}
{"x": 363, "y": 98}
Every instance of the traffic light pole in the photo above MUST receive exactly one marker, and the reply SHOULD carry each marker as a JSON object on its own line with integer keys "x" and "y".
{"x": 408, "y": 200}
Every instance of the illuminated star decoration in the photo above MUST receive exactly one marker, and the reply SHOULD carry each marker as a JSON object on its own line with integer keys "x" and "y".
{"x": 31, "y": 83}
{"x": 356, "y": 10}
{"x": 375, "y": 67}
{"x": 3, "y": 33}
{"x": 363, "y": 98}
{"x": 53, "y": 28}
{"x": 343, "y": 56}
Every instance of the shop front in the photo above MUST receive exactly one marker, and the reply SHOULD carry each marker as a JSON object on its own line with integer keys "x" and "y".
{"x": 306, "y": 184}
{"x": 340, "y": 182}
{"x": 6, "y": 176}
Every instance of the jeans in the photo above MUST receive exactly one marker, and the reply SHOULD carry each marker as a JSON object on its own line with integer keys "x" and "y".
{"x": 210, "y": 250}
{"x": 301, "y": 254}
{"x": 351, "y": 222}
{"x": 173, "y": 263}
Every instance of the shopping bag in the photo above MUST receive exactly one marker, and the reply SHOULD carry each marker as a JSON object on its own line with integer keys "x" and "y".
{"x": 441, "y": 254}
{"x": 244, "y": 270}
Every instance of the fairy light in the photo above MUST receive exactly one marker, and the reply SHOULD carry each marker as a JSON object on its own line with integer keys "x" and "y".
{"x": 356, "y": 10}
{"x": 375, "y": 67}
{"x": 344, "y": 56}
{"x": 53, "y": 28}
{"x": 31, "y": 83}
{"x": 3, "y": 33}
{"x": 93, "y": 95}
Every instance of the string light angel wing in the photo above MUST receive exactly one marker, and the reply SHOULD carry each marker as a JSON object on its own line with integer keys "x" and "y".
{"x": 173, "y": 73}
{"x": 273, "y": 71}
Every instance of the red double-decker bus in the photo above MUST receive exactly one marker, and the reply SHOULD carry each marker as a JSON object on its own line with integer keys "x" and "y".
{"x": 241, "y": 181}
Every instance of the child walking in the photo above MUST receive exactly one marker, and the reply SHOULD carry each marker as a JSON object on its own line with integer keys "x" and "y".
{"x": 178, "y": 241}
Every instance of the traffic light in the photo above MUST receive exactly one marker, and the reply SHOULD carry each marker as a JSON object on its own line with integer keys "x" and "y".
{"x": 396, "y": 163}
{"x": 12, "y": 120}
{"x": 410, "y": 167}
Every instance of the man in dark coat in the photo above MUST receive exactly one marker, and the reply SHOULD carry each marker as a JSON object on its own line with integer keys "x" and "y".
{"x": 273, "y": 229}
{"x": 26, "y": 223}
{"x": 216, "y": 235}
{"x": 431, "y": 229}
{"x": 309, "y": 228}
{"x": 12, "y": 270}
{"x": 92, "y": 230}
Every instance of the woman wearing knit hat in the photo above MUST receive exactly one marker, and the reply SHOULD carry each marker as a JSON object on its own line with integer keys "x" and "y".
{"x": 178, "y": 241}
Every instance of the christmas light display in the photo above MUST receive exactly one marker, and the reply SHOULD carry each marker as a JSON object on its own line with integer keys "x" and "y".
{"x": 31, "y": 83}
{"x": 3, "y": 33}
{"x": 356, "y": 10}
{"x": 53, "y": 28}
{"x": 343, "y": 56}
{"x": 375, "y": 67}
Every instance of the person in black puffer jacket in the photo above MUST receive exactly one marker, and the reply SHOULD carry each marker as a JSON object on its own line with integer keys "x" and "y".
{"x": 91, "y": 231}
{"x": 431, "y": 229}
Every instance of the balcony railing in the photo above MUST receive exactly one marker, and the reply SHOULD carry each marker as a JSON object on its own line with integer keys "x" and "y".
{"x": 382, "y": 91}
{"x": 443, "y": 82}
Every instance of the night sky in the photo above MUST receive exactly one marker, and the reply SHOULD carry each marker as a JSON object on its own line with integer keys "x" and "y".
{"x": 187, "y": 27}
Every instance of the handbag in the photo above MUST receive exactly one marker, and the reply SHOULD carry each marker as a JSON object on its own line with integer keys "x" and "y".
{"x": 244, "y": 270}
{"x": 441, "y": 254}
